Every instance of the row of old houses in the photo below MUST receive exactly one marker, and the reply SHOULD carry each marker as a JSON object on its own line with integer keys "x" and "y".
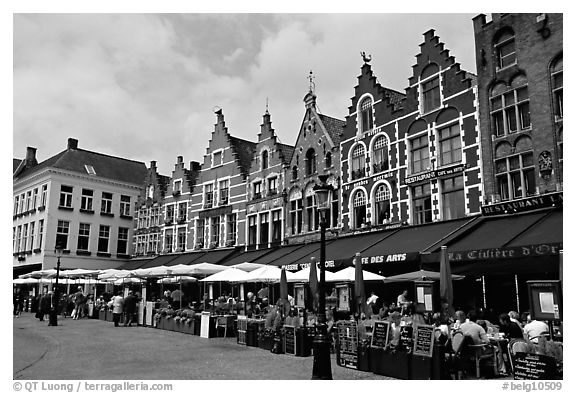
{"x": 451, "y": 149}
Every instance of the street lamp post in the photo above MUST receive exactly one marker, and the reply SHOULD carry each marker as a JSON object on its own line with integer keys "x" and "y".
{"x": 53, "y": 317}
{"x": 322, "y": 368}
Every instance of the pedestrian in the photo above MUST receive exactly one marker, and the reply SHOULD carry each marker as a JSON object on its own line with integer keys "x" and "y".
{"x": 18, "y": 302}
{"x": 117, "y": 305}
{"x": 45, "y": 301}
{"x": 129, "y": 308}
{"x": 79, "y": 300}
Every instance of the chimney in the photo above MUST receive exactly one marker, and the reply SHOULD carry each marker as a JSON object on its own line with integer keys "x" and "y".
{"x": 152, "y": 164}
{"x": 72, "y": 144}
{"x": 31, "y": 156}
{"x": 180, "y": 160}
{"x": 195, "y": 166}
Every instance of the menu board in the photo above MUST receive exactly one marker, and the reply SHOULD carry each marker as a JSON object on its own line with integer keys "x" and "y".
{"x": 205, "y": 324}
{"x": 149, "y": 312}
{"x": 533, "y": 366}
{"x": 343, "y": 297}
{"x": 423, "y": 340}
{"x": 406, "y": 338}
{"x": 242, "y": 326}
{"x": 290, "y": 339}
{"x": 380, "y": 334}
{"x": 347, "y": 344}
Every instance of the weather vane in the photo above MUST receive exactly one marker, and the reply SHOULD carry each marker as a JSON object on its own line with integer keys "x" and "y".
{"x": 365, "y": 57}
{"x": 266, "y": 105}
{"x": 311, "y": 78}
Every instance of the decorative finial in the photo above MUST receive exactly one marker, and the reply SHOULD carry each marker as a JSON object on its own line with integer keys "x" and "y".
{"x": 311, "y": 78}
{"x": 365, "y": 57}
{"x": 267, "y": 106}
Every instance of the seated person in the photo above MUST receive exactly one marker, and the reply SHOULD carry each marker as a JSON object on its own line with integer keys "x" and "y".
{"x": 395, "y": 320}
{"x": 535, "y": 329}
{"x": 470, "y": 328}
{"x": 509, "y": 328}
{"x": 440, "y": 323}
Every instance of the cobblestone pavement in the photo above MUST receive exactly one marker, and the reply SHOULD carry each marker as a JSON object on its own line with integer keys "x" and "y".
{"x": 89, "y": 349}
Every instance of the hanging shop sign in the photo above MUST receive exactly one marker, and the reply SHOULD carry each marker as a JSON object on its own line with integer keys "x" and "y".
{"x": 434, "y": 174}
{"x": 526, "y": 204}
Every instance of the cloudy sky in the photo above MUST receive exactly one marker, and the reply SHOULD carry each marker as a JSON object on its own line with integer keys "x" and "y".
{"x": 144, "y": 86}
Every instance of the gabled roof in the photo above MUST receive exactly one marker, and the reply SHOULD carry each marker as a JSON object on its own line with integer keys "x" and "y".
{"x": 244, "y": 151}
{"x": 15, "y": 163}
{"x": 105, "y": 166}
{"x": 287, "y": 152}
{"x": 334, "y": 127}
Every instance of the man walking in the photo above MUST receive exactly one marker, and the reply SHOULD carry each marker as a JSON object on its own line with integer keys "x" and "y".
{"x": 117, "y": 304}
{"x": 129, "y": 308}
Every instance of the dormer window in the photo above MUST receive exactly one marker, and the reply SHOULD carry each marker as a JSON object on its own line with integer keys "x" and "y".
{"x": 265, "y": 159}
{"x": 90, "y": 169}
{"x": 366, "y": 114}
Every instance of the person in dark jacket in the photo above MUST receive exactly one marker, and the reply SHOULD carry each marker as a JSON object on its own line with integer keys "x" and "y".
{"x": 509, "y": 328}
{"x": 129, "y": 308}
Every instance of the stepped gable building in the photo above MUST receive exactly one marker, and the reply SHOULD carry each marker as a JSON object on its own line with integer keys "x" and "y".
{"x": 520, "y": 89}
{"x": 412, "y": 158}
{"x": 316, "y": 152}
{"x": 149, "y": 217}
{"x": 177, "y": 232}
{"x": 79, "y": 201}
{"x": 267, "y": 184}
{"x": 217, "y": 207}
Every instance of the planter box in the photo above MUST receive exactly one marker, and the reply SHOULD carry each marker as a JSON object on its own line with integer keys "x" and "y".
{"x": 187, "y": 328}
{"x": 196, "y": 324}
{"x": 102, "y": 314}
{"x": 363, "y": 357}
{"x": 169, "y": 324}
{"x": 420, "y": 367}
{"x": 109, "y": 315}
{"x": 390, "y": 364}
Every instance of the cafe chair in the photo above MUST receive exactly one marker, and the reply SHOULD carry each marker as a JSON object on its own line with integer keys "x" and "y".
{"x": 514, "y": 346}
{"x": 480, "y": 352}
{"x": 223, "y": 322}
{"x": 453, "y": 355}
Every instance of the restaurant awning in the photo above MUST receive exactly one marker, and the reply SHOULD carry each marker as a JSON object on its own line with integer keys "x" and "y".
{"x": 186, "y": 258}
{"x": 135, "y": 263}
{"x": 299, "y": 258}
{"x": 247, "y": 256}
{"x": 279, "y": 253}
{"x": 160, "y": 260}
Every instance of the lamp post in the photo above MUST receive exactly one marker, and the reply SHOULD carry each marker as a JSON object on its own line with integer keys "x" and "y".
{"x": 322, "y": 368}
{"x": 53, "y": 317}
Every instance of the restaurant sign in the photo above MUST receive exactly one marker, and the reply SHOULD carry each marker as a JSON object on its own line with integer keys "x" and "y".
{"x": 526, "y": 204}
{"x": 506, "y": 252}
{"x": 401, "y": 257}
{"x": 434, "y": 174}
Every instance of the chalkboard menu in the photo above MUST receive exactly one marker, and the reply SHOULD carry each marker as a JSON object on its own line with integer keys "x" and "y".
{"x": 423, "y": 340}
{"x": 205, "y": 324}
{"x": 242, "y": 326}
{"x": 533, "y": 366}
{"x": 347, "y": 344}
{"x": 406, "y": 338}
{"x": 290, "y": 340}
{"x": 380, "y": 334}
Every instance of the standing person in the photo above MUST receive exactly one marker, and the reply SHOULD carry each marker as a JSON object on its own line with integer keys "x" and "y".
{"x": 176, "y": 296}
{"x": 45, "y": 304}
{"x": 402, "y": 300}
{"x": 117, "y": 305}
{"x": 18, "y": 302}
{"x": 129, "y": 308}
{"x": 79, "y": 301}
{"x": 371, "y": 302}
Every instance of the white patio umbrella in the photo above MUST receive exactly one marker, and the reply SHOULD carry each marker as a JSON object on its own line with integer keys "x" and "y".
{"x": 204, "y": 268}
{"x": 124, "y": 280}
{"x": 304, "y": 275}
{"x": 114, "y": 273}
{"x": 48, "y": 273}
{"x": 229, "y": 275}
{"x": 79, "y": 273}
{"x": 22, "y": 281}
{"x": 267, "y": 273}
{"x": 347, "y": 275}
{"x": 248, "y": 266}
{"x": 176, "y": 280}
{"x": 156, "y": 271}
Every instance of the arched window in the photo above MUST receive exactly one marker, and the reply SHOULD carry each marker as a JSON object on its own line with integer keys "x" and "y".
{"x": 367, "y": 121}
{"x": 515, "y": 174}
{"x": 265, "y": 159}
{"x": 381, "y": 154}
{"x": 358, "y": 162}
{"x": 294, "y": 172}
{"x": 557, "y": 88}
{"x": 382, "y": 204}
{"x": 359, "y": 205}
{"x": 310, "y": 162}
{"x": 505, "y": 48}
{"x": 328, "y": 162}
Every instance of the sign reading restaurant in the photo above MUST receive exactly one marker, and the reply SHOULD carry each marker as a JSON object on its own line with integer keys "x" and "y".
{"x": 409, "y": 256}
{"x": 434, "y": 174}
{"x": 520, "y": 205}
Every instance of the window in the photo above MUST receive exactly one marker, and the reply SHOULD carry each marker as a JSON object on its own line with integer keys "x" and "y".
{"x": 208, "y": 196}
{"x": 510, "y": 110}
{"x": 18, "y": 239}
{"x": 16, "y": 203}
{"x": 231, "y": 229}
{"x": 21, "y": 205}
{"x": 44, "y": 195}
{"x": 40, "y": 233}
{"x": 422, "y": 204}
{"x": 28, "y": 200}
{"x": 217, "y": 158}
{"x": 382, "y": 204}
{"x": 265, "y": 159}
{"x": 257, "y": 187}
{"x": 276, "y": 227}
{"x": 431, "y": 94}
{"x": 177, "y": 186}
{"x": 252, "y": 230}
{"x": 335, "y": 212}
{"x": 557, "y": 88}
{"x": 328, "y": 161}
{"x": 14, "y": 239}
{"x": 515, "y": 176}
{"x": 273, "y": 186}
{"x": 169, "y": 214}
{"x": 296, "y": 216}
{"x": 103, "y": 238}
{"x": 86, "y": 200}
{"x": 35, "y": 199}
{"x": 224, "y": 192}
{"x": 106, "y": 206}
{"x": 90, "y": 169}
{"x": 83, "y": 237}
{"x": 366, "y": 116}
{"x": 505, "y": 50}
{"x": 31, "y": 244}
{"x": 215, "y": 231}
{"x": 380, "y": 154}
{"x": 453, "y": 198}
{"x": 359, "y": 205}
{"x": 25, "y": 237}
{"x": 294, "y": 172}
{"x": 310, "y": 162}
{"x": 358, "y": 162}
{"x": 200, "y": 233}
{"x": 181, "y": 240}
{"x": 420, "y": 155}
{"x": 450, "y": 145}
{"x": 66, "y": 196}
{"x": 62, "y": 230}
{"x": 168, "y": 240}
{"x": 311, "y": 213}
{"x": 264, "y": 229}
{"x": 150, "y": 192}
{"x": 125, "y": 205}
{"x": 182, "y": 208}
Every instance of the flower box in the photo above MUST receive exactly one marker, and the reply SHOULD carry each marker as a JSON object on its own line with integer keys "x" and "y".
{"x": 395, "y": 364}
